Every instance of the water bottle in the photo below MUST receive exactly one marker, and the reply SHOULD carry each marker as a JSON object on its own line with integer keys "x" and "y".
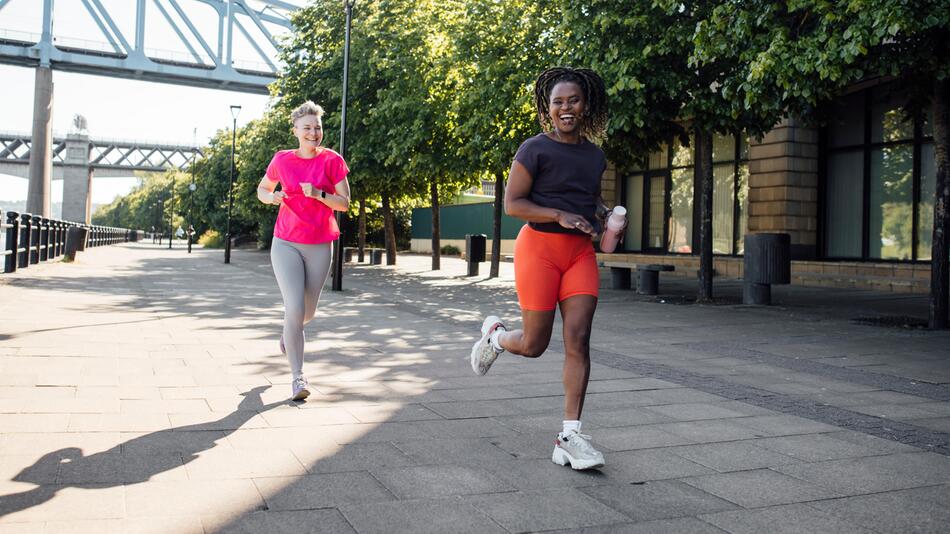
{"x": 614, "y": 225}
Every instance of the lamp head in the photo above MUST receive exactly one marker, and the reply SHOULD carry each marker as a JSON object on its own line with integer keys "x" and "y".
{"x": 235, "y": 111}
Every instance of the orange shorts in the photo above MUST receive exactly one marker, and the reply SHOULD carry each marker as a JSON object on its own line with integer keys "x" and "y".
{"x": 550, "y": 268}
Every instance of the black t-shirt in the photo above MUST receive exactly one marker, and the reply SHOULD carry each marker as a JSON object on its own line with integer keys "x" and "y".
{"x": 565, "y": 177}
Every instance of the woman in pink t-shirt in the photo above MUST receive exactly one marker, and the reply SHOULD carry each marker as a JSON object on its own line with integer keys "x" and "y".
{"x": 313, "y": 185}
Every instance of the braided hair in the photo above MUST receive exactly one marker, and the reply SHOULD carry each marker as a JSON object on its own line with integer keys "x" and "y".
{"x": 594, "y": 123}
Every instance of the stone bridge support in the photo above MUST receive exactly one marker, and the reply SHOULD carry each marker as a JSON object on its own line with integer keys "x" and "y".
{"x": 77, "y": 179}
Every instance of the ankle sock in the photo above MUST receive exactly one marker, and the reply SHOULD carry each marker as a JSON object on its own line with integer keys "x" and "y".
{"x": 495, "y": 339}
{"x": 571, "y": 425}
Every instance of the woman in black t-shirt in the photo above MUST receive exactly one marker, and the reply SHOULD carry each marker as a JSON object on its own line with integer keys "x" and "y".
{"x": 554, "y": 185}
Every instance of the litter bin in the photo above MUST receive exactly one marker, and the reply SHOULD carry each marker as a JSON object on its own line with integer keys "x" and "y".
{"x": 767, "y": 261}
{"x": 376, "y": 256}
{"x": 75, "y": 241}
{"x": 474, "y": 252}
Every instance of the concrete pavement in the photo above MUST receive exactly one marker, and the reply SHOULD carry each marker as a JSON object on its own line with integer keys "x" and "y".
{"x": 142, "y": 390}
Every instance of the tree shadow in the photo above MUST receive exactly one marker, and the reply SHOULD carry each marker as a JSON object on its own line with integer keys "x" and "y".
{"x": 69, "y": 465}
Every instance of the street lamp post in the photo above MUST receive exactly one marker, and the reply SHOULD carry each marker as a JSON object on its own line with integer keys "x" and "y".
{"x": 171, "y": 215}
{"x": 235, "y": 110}
{"x": 191, "y": 190}
{"x": 338, "y": 249}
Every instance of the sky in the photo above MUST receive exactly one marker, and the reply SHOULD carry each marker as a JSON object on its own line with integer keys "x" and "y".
{"x": 114, "y": 107}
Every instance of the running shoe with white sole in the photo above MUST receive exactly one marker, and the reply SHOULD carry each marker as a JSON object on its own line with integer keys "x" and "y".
{"x": 483, "y": 353}
{"x": 300, "y": 390}
{"x": 575, "y": 449}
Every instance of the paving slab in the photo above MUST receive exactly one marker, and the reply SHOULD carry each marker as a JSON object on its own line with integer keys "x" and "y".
{"x": 713, "y": 418}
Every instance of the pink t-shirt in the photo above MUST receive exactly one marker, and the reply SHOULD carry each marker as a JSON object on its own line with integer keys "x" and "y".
{"x": 303, "y": 219}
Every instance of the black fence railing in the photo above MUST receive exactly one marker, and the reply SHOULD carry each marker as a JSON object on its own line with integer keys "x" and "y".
{"x": 29, "y": 239}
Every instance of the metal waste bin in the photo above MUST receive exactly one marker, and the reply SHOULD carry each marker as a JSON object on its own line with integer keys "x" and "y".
{"x": 376, "y": 256}
{"x": 474, "y": 252}
{"x": 767, "y": 261}
{"x": 75, "y": 241}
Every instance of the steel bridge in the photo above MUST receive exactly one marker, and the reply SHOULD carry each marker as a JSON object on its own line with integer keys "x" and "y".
{"x": 106, "y": 157}
{"x": 205, "y": 58}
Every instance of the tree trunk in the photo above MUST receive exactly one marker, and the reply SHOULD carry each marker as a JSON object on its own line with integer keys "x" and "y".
{"x": 361, "y": 239}
{"x": 390, "y": 230}
{"x": 496, "y": 228}
{"x": 436, "y": 237}
{"x": 939, "y": 268}
{"x": 704, "y": 143}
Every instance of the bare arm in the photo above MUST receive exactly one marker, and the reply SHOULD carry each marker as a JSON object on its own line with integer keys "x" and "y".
{"x": 518, "y": 205}
{"x": 266, "y": 193}
{"x": 339, "y": 200}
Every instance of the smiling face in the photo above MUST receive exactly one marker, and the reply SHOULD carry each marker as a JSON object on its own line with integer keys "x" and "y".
{"x": 566, "y": 107}
{"x": 309, "y": 132}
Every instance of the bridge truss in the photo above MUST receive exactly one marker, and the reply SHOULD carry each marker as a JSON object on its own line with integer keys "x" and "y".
{"x": 209, "y": 58}
{"x": 105, "y": 153}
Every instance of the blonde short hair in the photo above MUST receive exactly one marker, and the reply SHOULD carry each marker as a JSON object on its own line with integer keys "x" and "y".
{"x": 307, "y": 108}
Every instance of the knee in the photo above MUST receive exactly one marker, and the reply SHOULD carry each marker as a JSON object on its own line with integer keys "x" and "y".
{"x": 577, "y": 341}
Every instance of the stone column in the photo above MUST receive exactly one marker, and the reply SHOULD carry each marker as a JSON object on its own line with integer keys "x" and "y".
{"x": 77, "y": 179}
{"x": 41, "y": 145}
{"x": 783, "y": 186}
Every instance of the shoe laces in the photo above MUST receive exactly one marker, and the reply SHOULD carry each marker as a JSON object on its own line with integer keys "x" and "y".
{"x": 300, "y": 382}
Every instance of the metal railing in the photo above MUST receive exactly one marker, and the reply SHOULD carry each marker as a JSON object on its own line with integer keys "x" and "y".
{"x": 29, "y": 239}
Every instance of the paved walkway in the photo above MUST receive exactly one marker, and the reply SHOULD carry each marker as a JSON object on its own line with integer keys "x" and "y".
{"x": 142, "y": 390}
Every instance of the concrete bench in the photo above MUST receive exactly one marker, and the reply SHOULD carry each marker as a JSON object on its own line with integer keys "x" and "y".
{"x": 648, "y": 275}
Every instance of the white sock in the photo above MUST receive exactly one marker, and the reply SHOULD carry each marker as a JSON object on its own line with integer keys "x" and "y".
{"x": 571, "y": 425}
{"x": 495, "y": 341}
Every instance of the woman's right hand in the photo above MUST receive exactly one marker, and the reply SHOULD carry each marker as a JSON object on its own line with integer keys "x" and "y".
{"x": 575, "y": 221}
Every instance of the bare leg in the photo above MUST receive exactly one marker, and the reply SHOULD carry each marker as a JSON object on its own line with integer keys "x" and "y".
{"x": 534, "y": 337}
{"x": 577, "y": 313}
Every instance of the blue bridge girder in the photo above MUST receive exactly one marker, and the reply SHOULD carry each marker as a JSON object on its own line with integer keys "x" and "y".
{"x": 209, "y": 60}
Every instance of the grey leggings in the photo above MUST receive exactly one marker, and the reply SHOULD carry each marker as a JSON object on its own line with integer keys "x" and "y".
{"x": 301, "y": 271}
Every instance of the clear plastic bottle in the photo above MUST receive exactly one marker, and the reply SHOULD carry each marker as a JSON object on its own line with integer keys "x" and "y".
{"x": 615, "y": 224}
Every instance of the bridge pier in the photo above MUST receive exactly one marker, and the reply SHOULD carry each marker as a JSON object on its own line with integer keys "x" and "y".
{"x": 41, "y": 151}
{"x": 77, "y": 180}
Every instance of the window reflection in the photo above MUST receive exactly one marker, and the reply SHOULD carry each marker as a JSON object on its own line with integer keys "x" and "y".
{"x": 723, "y": 202}
{"x": 888, "y": 120}
{"x": 681, "y": 211}
{"x": 891, "y": 217}
{"x": 928, "y": 188}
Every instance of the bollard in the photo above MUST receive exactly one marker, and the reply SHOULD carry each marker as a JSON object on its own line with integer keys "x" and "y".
{"x": 474, "y": 252}
{"x": 12, "y": 240}
{"x": 376, "y": 255}
{"x": 75, "y": 241}
{"x": 348, "y": 255}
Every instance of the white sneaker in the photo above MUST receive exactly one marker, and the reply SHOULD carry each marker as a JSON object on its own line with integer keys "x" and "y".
{"x": 574, "y": 448}
{"x": 299, "y": 386}
{"x": 483, "y": 353}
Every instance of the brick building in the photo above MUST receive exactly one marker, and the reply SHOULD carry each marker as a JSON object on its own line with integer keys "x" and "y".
{"x": 856, "y": 197}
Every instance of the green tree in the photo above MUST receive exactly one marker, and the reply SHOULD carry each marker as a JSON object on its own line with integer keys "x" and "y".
{"x": 658, "y": 88}
{"x": 499, "y": 47}
{"x": 796, "y": 55}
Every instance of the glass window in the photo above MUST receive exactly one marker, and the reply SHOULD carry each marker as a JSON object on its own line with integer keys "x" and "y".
{"x": 657, "y": 203}
{"x": 633, "y": 238}
{"x": 888, "y": 120}
{"x": 658, "y": 159}
{"x": 928, "y": 189}
{"x": 927, "y": 128}
{"x": 743, "y": 207}
{"x": 682, "y": 154}
{"x": 723, "y": 202}
{"x": 847, "y": 125}
{"x": 681, "y": 211}
{"x": 891, "y": 217}
{"x": 724, "y": 148}
{"x": 843, "y": 209}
